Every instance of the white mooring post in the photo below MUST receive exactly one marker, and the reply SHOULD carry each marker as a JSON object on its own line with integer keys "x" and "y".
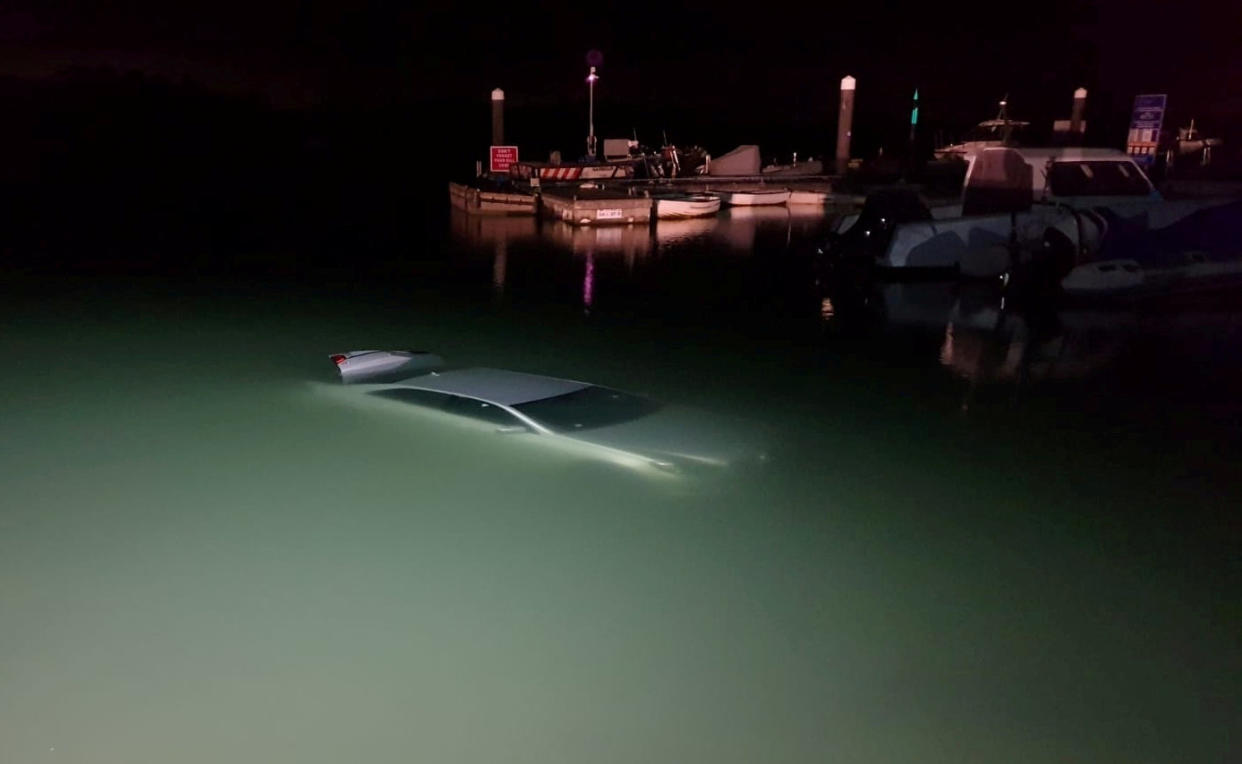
{"x": 498, "y": 117}
{"x": 845, "y": 124}
{"x": 1076, "y": 116}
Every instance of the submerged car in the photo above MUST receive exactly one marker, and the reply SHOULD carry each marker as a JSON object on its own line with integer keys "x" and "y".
{"x": 602, "y": 422}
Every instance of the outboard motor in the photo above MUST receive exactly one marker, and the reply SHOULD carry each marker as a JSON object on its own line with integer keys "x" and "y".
{"x": 850, "y": 256}
{"x": 883, "y": 211}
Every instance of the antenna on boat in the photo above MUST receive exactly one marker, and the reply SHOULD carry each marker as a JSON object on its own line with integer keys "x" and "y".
{"x": 1006, "y": 125}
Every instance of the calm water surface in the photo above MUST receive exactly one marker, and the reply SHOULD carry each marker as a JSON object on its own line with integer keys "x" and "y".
{"x": 983, "y": 536}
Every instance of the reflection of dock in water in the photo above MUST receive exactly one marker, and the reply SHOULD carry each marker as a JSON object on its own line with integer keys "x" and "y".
{"x": 808, "y": 220}
{"x": 672, "y": 232}
{"x": 520, "y": 246}
{"x": 768, "y": 213}
{"x": 488, "y": 230}
{"x": 622, "y": 264}
{"x": 740, "y": 224}
{"x": 631, "y": 241}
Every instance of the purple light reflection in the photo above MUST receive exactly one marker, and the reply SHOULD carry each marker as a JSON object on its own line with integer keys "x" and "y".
{"x": 588, "y": 281}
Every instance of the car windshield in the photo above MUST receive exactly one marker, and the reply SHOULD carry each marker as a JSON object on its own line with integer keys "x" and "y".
{"x": 587, "y": 408}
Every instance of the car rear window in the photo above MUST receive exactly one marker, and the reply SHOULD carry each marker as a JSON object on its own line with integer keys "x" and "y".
{"x": 418, "y": 397}
{"x": 451, "y": 404}
{"x": 480, "y": 410}
{"x": 587, "y": 408}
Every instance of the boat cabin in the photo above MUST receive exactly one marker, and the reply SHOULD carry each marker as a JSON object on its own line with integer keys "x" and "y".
{"x": 1009, "y": 179}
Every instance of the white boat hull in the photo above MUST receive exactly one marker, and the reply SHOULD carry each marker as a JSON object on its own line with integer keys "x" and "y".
{"x": 1119, "y": 277}
{"x": 754, "y": 198}
{"x": 808, "y": 197}
{"x": 697, "y": 207}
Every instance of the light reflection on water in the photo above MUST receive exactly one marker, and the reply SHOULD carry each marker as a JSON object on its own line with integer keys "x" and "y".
{"x": 986, "y": 343}
{"x": 628, "y": 242}
{"x": 674, "y": 232}
{"x": 755, "y": 267}
{"x": 734, "y": 232}
{"x": 202, "y": 560}
{"x": 982, "y": 341}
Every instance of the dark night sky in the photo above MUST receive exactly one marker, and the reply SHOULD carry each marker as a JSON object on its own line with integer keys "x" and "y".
{"x": 731, "y": 67}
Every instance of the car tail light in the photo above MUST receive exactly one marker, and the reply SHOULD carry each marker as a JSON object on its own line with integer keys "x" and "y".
{"x": 338, "y": 359}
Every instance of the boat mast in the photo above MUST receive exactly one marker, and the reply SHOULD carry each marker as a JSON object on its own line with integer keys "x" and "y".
{"x": 1003, "y": 117}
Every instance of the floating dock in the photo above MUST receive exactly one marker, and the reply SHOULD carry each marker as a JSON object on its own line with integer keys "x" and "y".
{"x": 481, "y": 202}
{"x": 628, "y": 201}
{"x": 584, "y": 206}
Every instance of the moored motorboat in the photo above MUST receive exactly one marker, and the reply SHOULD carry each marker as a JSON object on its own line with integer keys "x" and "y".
{"x": 673, "y": 206}
{"x": 753, "y": 197}
{"x": 1012, "y": 197}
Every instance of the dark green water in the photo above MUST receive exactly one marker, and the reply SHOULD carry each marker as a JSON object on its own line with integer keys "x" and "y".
{"x": 953, "y": 556}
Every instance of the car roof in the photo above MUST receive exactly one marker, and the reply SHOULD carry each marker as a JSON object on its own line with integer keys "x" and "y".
{"x": 507, "y": 388}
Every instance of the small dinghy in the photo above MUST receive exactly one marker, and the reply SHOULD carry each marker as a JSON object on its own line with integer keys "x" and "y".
{"x": 808, "y": 197}
{"x": 754, "y": 197}
{"x": 674, "y": 206}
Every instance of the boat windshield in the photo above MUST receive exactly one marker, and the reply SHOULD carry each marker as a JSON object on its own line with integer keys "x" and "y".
{"x": 587, "y": 408}
{"x": 993, "y": 131}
